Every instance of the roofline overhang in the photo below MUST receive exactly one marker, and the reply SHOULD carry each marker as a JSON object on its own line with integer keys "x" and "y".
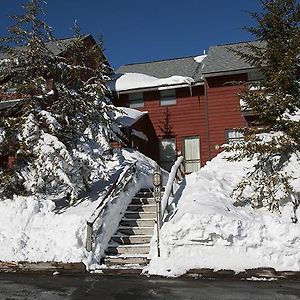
{"x": 231, "y": 72}
{"x": 159, "y": 88}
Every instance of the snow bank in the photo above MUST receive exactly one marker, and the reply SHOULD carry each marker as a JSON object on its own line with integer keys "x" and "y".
{"x": 208, "y": 231}
{"x": 31, "y": 230}
{"x": 130, "y": 81}
{"x": 39, "y": 229}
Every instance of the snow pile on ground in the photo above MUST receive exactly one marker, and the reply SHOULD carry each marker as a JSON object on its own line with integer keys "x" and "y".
{"x": 39, "y": 229}
{"x": 130, "y": 81}
{"x": 208, "y": 231}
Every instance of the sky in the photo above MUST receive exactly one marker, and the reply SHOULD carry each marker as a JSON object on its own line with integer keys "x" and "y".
{"x": 142, "y": 30}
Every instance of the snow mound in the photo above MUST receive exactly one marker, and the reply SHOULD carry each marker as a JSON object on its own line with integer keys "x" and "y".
{"x": 208, "y": 231}
{"x": 41, "y": 229}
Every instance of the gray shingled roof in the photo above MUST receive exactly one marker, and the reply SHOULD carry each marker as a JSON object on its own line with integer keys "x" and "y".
{"x": 56, "y": 47}
{"x": 222, "y": 59}
{"x": 186, "y": 66}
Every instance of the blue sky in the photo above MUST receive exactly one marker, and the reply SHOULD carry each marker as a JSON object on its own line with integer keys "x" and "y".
{"x": 143, "y": 30}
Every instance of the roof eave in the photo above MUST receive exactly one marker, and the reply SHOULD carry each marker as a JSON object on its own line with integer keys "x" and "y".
{"x": 230, "y": 72}
{"x": 159, "y": 87}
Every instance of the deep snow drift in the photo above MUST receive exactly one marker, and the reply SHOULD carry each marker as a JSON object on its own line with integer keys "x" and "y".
{"x": 208, "y": 231}
{"x": 38, "y": 229}
{"x": 205, "y": 231}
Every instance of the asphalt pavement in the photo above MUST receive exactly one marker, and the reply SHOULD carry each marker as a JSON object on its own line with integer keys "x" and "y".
{"x": 91, "y": 287}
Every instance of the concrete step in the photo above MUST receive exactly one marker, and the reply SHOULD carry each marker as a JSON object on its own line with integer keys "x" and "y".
{"x": 128, "y": 249}
{"x": 140, "y": 215}
{"x": 137, "y": 222}
{"x": 142, "y": 200}
{"x": 126, "y": 260}
{"x": 135, "y": 230}
{"x": 131, "y": 239}
{"x": 144, "y": 207}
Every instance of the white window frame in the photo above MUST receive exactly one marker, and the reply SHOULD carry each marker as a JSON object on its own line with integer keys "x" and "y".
{"x": 192, "y": 165}
{"x": 136, "y": 100}
{"x": 234, "y": 136}
{"x": 167, "y": 162}
{"x": 167, "y": 97}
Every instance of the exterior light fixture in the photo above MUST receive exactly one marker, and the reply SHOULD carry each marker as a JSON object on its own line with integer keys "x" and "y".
{"x": 157, "y": 176}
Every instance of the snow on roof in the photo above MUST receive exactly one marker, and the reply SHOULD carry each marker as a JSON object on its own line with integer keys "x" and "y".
{"x": 131, "y": 81}
{"x": 200, "y": 58}
{"x": 129, "y": 116}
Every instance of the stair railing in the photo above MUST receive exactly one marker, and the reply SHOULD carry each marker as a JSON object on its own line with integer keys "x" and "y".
{"x": 176, "y": 174}
{"x": 118, "y": 185}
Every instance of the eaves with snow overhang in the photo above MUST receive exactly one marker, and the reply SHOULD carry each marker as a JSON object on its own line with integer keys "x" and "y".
{"x": 126, "y": 116}
{"x": 158, "y": 75}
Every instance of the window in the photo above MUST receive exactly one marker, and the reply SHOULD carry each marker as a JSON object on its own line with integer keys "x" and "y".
{"x": 136, "y": 100}
{"x": 11, "y": 90}
{"x": 191, "y": 150}
{"x": 167, "y": 153}
{"x": 167, "y": 97}
{"x": 234, "y": 136}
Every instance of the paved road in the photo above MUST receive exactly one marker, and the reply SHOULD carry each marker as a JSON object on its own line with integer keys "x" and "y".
{"x": 41, "y": 287}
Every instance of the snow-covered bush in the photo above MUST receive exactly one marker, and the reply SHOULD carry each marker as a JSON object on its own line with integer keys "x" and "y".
{"x": 61, "y": 128}
{"x": 273, "y": 138}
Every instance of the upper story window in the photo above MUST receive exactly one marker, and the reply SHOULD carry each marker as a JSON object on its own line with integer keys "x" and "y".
{"x": 136, "y": 100}
{"x": 234, "y": 136}
{"x": 167, "y": 97}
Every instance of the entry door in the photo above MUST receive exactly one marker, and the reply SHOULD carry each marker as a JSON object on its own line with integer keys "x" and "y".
{"x": 191, "y": 153}
{"x": 167, "y": 153}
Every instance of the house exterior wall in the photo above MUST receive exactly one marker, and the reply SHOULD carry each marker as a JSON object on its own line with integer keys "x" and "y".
{"x": 223, "y": 105}
{"x": 186, "y": 118}
{"x": 207, "y": 113}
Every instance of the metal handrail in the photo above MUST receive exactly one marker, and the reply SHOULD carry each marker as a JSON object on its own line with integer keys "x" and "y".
{"x": 123, "y": 179}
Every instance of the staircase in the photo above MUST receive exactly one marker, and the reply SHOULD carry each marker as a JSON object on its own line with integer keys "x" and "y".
{"x": 130, "y": 246}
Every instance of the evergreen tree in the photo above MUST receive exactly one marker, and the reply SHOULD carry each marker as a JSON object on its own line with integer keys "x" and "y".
{"x": 273, "y": 140}
{"x": 61, "y": 127}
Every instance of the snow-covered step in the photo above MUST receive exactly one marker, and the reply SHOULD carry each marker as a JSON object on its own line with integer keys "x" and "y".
{"x": 144, "y": 193}
{"x": 131, "y": 239}
{"x": 138, "y": 222}
{"x": 130, "y": 246}
{"x": 143, "y": 200}
{"x": 112, "y": 260}
{"x": 140, "y": 215}
{"x": 144, "y": 207}
{"x": 136, "y": 230}
{"x": 128, "y": 249}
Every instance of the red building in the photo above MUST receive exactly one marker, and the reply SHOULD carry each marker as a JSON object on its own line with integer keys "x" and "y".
{"x": 192, "y": 102}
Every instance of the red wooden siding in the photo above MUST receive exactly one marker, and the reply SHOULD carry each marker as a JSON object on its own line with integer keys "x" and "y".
{"x": 207, "y": 116}
{"x": 223, "y": 109}
{"x": 186, "y": 118}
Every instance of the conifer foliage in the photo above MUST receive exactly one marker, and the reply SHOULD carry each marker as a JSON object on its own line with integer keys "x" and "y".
{"x": 274, "y": 138}
{"x": 60, "y": 129}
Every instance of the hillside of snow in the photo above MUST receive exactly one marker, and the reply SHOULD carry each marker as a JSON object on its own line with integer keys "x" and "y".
{"x": 208, "y": 231}
{"x": 45, "y": 229}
